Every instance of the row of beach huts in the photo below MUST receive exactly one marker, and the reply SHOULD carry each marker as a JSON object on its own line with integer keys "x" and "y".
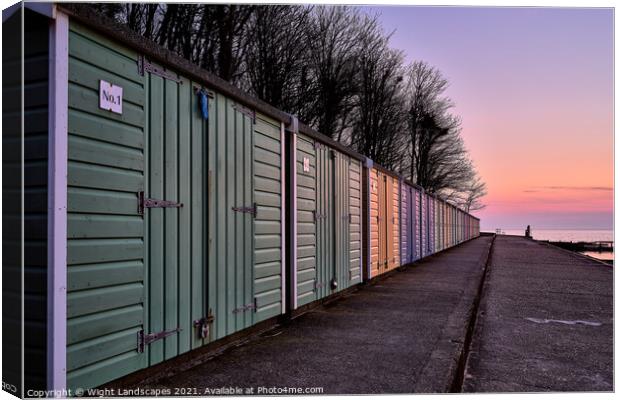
{"x": 176, "y": 210}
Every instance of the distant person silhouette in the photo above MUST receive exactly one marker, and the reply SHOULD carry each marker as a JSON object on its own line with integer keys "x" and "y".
{"x": 528, "y": 232}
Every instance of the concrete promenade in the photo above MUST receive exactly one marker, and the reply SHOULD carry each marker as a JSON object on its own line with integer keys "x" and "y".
{"x": 402, "y": 334}
{"x": 503, "y": 315}
{"x": 545, "y": 322}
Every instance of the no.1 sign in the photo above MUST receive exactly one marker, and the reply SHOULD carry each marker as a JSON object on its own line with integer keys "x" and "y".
{"x": 110, "y": 97}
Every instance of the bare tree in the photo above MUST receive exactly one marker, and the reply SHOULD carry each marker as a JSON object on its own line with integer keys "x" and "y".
{"x": 473, "y": 194}
{"x": 275, "y": 60}
{"x": 425, "y": 95}
{"x": 378, "y": 120}
{"x": 333, "y": 67}
{"x": 332, "y": 38}
{"x": 439, "y": 161}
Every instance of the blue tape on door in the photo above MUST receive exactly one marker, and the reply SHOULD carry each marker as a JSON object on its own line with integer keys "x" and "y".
{"x": 204, "y": 104}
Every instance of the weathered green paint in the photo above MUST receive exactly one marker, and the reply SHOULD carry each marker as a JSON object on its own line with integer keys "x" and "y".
{"x": 328, "y": 220}
{"x": 306, "y": 227}
{"x": 106, "y": 236}
{"x": 175, "y": 250}
{"x": 164, "y": 269}
{"x": 244, "y": 282}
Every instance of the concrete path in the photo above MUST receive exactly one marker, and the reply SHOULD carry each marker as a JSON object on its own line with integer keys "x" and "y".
{"x": 403, "y": 334}
{"x": 545, "y": 322}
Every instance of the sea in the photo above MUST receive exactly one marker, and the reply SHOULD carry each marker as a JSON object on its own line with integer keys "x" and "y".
{"x": 571, "y": 235}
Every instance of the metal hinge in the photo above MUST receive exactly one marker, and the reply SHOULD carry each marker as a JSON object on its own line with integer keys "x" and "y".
{"x": 154, "y": 203}
{"x": 146, "y": 339}
{"x": 203, "y": 325}
{"x": 245, "y": 111}
{"x": 249, "y": 210}
{"x": 145, "y": 65}
{"x": 244, "y": 308}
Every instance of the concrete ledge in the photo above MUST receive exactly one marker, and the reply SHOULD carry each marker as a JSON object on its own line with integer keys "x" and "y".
{"x": 442, "y": 373}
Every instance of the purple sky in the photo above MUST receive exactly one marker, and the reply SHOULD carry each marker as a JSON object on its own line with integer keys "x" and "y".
{"x": 534, "y": 88}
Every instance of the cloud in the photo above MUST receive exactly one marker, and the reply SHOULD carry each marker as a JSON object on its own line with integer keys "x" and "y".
{"x": 531, "y": 191}
{"x": 581, "y": 188}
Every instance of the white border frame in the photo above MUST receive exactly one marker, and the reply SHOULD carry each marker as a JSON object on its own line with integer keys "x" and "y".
{"x": 57, "y": 203}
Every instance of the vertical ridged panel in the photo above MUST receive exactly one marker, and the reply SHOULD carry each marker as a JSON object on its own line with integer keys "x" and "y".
{"x": 418, "y": 224}
{"x": 424, "y": 226}
{"x": 431, "y": 204}
{"x": 175, "y": 249}
{"x": 394, "y": 203}
{"x": 389, "y": 223}
{"x": 331, "y": 237}
{"x": 381, "y": 189}
{"x": 374, "y": 221}
{"x": 405, "y": 235}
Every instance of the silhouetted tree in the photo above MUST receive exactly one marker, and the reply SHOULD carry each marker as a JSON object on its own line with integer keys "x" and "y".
{"x": 275, "y": 59}
{"x": 378, "y": 118}
{"x": 333, "y": 67}
{"x": 333, "y": 36}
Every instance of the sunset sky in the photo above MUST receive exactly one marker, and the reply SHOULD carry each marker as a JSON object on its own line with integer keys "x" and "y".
{"x": 534, "y": 88}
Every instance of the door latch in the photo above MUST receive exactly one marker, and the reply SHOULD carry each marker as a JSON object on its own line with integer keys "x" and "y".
{"x": 146, "y": 339}
{"x": 154, "y": 203}
{"x": 249, "y": 210}
{"x": 203, "y": 325}
{"x": 246, "y": 307}
{"x": 145, "y": 65}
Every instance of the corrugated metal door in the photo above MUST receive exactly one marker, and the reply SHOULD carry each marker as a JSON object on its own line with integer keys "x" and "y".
{"x": 341, "y": 226}
{"x": 325, "y": 223}
{"x": 383, "y": 222}
{"x": 328, "y": 220}
{"x": 374, "y": 222}
{"x": 175, "y": 165}
{"x": 383, "y": 225}
{"x": 231, "y": 228}
{"x": 390, "y": 241}
{"x": 408, "y": 227}
{"x": 438, "y": 225}
{"x": 405, "y": 224}
{"x": 423, "y": 226}
{"x": 394, "y": 205}
{"x": 245, "y": 222}
{"x": 431, "y": 225}
{"x": 418, "y": 224}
